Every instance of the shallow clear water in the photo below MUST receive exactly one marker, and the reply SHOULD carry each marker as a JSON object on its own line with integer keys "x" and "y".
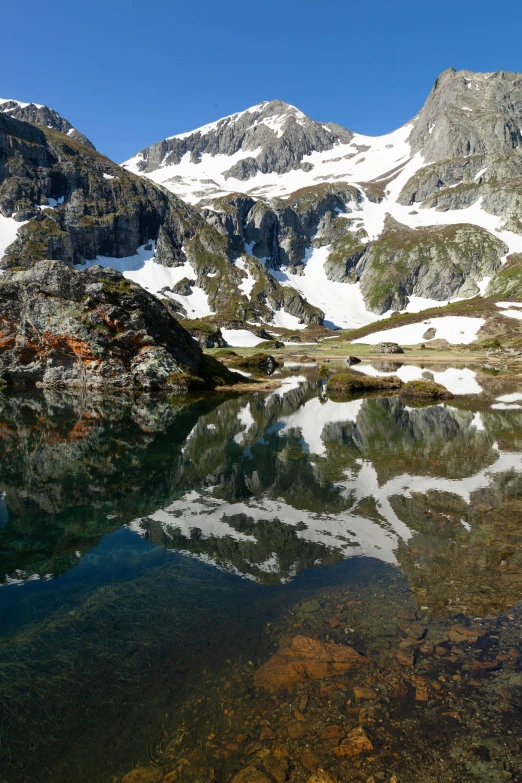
{"x": 151, "y": 548}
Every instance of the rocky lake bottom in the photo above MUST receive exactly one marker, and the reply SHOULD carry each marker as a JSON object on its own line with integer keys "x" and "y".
{"x": 269, "y": 587}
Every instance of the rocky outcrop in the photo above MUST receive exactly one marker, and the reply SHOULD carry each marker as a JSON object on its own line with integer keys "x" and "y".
{"x": 280, "y": 231}
{"x": 438, "y": 262}
{"x": 74, "y": 204}
{"x": 95, "y": 329}
{"x": 425, "y": 390}
{"x": 207, "y": 333}
{"x": 44, "y": 116}
{"x": 508, "y": 280}
{"x": 279, "y": 134}
{"x": 348, "y": 383}
{"x": 470, "y": 114}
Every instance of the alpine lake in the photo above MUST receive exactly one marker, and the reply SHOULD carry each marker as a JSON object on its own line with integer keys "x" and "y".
{"x": 266, "y": 587}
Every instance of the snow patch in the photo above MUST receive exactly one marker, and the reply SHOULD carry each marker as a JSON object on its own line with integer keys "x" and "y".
{"x": 456, "y": 329}
{"x": 248, "y": 282}
{"x": 141, "y": 268}
{"x": 241, "y": 338}
{"x": 8, "y": 231}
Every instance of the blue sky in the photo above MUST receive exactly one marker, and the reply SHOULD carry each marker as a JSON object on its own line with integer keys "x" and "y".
{"x": 128, "y": 74}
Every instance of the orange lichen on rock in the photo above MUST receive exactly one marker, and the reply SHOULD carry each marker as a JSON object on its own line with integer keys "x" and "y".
{"x": 306, "y": 659}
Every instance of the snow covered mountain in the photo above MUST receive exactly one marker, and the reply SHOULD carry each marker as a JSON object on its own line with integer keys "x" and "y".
{"x": 41, "y": 115}
{"x": 360, "y": 226}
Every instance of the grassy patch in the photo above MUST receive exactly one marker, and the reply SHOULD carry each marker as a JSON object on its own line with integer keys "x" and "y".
{"x": 346, "y": 383}
{"x": 425, "y": 390}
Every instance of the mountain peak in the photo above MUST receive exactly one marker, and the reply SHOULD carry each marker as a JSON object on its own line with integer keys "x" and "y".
{"x": 470, "y": 113}
{"x": 41, "y": 115}
{"x": 272, "y": 136}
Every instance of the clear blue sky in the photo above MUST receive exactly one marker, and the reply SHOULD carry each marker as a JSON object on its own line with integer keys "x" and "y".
{"x": 128, "y": 74}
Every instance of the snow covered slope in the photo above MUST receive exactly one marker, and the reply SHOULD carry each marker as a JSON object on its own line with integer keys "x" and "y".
{"x": 361, "y": 225}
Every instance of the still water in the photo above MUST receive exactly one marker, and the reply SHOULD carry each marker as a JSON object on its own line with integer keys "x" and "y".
{"x": 181, "y": 582}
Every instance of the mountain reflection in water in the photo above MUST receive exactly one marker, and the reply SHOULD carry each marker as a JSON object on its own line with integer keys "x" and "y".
{"x": 174, "y": 513}
{"x": 266, "y": 485}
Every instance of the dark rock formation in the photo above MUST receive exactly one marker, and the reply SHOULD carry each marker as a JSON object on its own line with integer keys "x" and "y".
{"x": 99, "y": 209}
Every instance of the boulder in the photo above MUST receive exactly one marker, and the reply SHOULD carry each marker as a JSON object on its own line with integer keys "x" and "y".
{"x": 387, "y": 348}
{"x": 93, "y": 328}
{"x": 306, "y": 659}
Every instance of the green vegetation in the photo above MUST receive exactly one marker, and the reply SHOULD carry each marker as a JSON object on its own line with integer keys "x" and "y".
{"x": 346, "y": 383}
{"x": 324, "y": 371}
{"x": 508, "y": 280}
{"x": 211, "y": 374}
{"x": 425, "y": 390}
{"x": 224, "y": 353}
{"x": 257, "y": 361}
{"x": 35, "y": 241}
{"x": 120, "y": 287}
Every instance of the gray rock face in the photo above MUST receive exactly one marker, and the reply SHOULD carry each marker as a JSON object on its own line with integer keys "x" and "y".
{"x": 280, "y": 231}
{"x": 278, "y": 133}
{"x": 42, "y": 115}
{"x": 99, "y": 209}
{"x": 66, "y": 328}
{"x": 440, "y": 262}
{"x": 470, "y": 114}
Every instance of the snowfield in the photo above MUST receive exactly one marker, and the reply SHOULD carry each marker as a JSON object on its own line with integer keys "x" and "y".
{"x": 144, "y": 270}
{"x": 456, "y": 329}
{"x": 8, "y": 231}
{"x": 241, "y": 338}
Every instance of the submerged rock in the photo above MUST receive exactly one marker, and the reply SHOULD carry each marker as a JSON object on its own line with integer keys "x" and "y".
{"x": 306, "y": 659}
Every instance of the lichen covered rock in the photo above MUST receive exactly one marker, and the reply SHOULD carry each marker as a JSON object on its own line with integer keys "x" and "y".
{"x": 65, "y": 328}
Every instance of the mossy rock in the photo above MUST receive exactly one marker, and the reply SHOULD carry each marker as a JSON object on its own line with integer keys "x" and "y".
{"x": 346, "y": 383}
{"x": 508, "y": 280}
{"x": 3, "y": 384}
{"x": 274, "y": 345}
{"x": 225, "y": 353}
{"x": 262, "y": 362}
{"x": 425, "y": 390}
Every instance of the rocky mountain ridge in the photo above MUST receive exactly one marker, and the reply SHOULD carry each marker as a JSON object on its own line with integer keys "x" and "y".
{"x": 42, "y": 115}
{"x": 268, "y": 219}
{"x": 62, "y": 200}
{"x": 440, "y": 199}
